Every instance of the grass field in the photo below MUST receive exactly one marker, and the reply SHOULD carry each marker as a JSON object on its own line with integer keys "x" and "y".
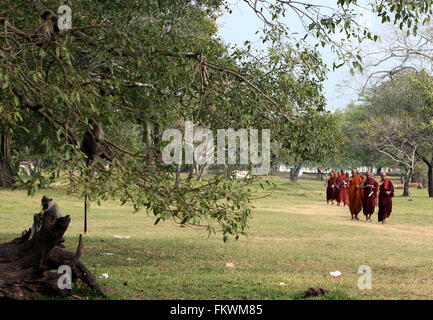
{"x": 294, "y": 237}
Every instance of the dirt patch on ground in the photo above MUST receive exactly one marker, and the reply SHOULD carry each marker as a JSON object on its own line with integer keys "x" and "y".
{"x": 341, "y": 216}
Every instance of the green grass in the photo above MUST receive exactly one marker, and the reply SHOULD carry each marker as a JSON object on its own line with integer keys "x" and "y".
{"x": 294, "y": 237}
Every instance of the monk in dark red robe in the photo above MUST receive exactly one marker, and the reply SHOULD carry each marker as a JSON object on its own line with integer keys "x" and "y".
{"x": 336, "y": 188}
{"x": 338, "y": 191}
{"x": 346, "y": 189}
{"x": 369, "y": 198}
{"x": 386, "y": 194}
{"x": 330, "y": 188}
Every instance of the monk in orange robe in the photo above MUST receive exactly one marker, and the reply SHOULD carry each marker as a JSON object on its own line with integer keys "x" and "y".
{"x": 363, "y": 179}
{"x": 342, "y": 193}
{"x": 334, "y": 174}
{"x": 355, "y": 200}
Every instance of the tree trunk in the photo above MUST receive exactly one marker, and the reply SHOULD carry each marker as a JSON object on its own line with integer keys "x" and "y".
{"x": 430, "y": 173}
{"x": 201, "y": 171}
{"x": 319, "y": 174}
{"x": 178, "y": 171}
{"x": 25, "y": 265}
{"x": 157, "y": 142}
{"x": 406, "y": 192}
{"x": 149, "y": 143}
{"x": 430, "y": 180}
{"x": 406, "y": 179}
{"x": 190, "y": 172}
{"x": 294, "y": 173}
{"x": 7, "y": 175}
{"x": 157, "y": 139}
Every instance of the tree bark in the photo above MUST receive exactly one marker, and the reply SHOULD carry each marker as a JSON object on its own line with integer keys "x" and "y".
{"x": 201, "y": 171}
{"x": 7, "y": 175}
{"x": 25, "y": 265}
{"x": 430, "y": 180}
{"x": 295, "y": 171}
{"x": 429, "y": 164}
{"x": 178, "y": 172}
{"x": 406, "y": 181}
{"x": 190, "y": 172}
{"x": 319, "y": 174}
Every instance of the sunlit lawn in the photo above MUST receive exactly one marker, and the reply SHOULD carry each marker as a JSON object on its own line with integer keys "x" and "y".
{"x": 294, "y": 237}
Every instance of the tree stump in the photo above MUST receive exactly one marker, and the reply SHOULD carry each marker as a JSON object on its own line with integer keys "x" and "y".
{"x": 28, "y": 268}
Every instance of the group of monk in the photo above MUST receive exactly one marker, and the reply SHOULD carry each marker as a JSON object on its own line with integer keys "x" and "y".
{"x": 361, "y": 193}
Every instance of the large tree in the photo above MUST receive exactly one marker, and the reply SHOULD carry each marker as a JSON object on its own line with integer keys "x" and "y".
{"x": 149, "y": 65}
{"x": 408, "y": 100}
{"x": 421, "y": 85}
{"x": 393, "y": 121}
{"x": 139, "y": 68}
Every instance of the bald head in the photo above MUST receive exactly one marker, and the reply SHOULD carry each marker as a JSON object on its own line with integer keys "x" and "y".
{"x": 368, "y": 174}
{"x": 354, "y": 172}
{"x": 383, "y": 174}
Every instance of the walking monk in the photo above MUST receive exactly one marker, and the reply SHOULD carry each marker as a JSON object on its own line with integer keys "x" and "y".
{"x": 330, "y": 188}
{"x": 385, "y": 198}
{"x": 363, "y": 180}
{"x": 369, "y": 199}
{"x": 342, "y": 193}
{"x": 346, "y": 189}
{"x": 334, "y": 174}
{"x": 334, "y": 195}
{"x": 355, "y": 203}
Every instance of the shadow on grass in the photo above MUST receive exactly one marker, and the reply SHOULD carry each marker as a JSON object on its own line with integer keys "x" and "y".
{"x": 333, "y": 295}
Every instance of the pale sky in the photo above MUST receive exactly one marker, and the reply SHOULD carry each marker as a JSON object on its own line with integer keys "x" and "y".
{"x": 242, "y": 24}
